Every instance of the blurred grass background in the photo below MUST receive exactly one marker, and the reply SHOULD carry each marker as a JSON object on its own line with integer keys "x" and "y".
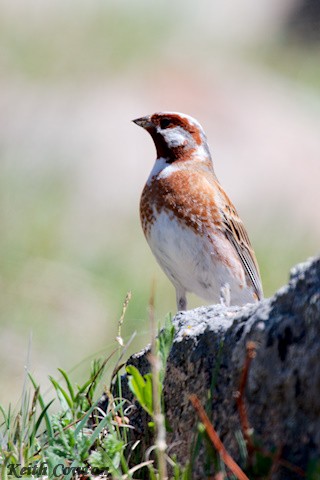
{"x": 72, "y": 166}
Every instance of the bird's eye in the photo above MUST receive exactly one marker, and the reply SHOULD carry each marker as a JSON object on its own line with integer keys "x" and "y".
{"x": 165, "y": 122}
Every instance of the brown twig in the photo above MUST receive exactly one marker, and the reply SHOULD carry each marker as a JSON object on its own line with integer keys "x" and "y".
{"x": 212, "y": 434}
{"x": 251, "y": 348}
{"x": 277, "y": 461}
{"x": 292, "y": 467}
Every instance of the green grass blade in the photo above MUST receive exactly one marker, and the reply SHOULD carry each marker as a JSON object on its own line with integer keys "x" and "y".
{"x": 136, "y": 383}
{"x": 42, "y": 404}
{"x": 69, "y": 385}
{"x": 38, "y": 422}
{"x": 64, "y": 398}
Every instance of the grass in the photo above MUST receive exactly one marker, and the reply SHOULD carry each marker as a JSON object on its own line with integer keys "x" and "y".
{"x": 79, "y": 437}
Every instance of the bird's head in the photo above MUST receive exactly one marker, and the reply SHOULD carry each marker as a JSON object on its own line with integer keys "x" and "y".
{"x": 176, "y": 136}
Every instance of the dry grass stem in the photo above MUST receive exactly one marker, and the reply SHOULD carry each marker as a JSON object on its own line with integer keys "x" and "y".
{"x": 216, "y": 442}
{"x": 158, "y": 417}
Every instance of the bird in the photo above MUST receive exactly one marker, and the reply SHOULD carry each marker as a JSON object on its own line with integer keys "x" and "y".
{"x": 190, "y": 223}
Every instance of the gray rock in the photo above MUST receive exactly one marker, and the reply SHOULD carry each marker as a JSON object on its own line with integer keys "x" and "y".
{"x": 282, "y": 392}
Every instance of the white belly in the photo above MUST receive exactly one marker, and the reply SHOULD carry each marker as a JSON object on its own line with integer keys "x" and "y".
{"x": 192, "y": 262}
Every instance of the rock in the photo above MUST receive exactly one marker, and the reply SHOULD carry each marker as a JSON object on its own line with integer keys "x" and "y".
{"x": 282, "y": 393}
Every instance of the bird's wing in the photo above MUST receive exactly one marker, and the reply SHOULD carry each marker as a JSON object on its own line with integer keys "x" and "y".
{"x": 237, "y": 235}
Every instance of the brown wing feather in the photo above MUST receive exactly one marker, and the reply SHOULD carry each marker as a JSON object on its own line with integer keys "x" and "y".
{"x": 238, "y": 237}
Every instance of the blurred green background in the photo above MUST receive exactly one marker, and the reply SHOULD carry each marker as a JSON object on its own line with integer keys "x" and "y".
{"x": 72, "y": 166}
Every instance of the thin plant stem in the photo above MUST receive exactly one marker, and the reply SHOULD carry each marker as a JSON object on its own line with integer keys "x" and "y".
{"x": 214, "y": 438}
{"x": 121, "y": 349}
{"x": 158, "y": 417}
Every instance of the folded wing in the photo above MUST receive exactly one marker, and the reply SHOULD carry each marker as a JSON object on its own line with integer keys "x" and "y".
{"x": 238, "y": 237}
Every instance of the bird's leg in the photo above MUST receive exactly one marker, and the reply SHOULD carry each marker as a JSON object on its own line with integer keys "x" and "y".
{"x": 181, "y": 299}
{"x": 225, "y": 295}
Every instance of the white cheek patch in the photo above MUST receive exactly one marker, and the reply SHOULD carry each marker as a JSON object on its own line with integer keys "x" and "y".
{"x": 174, "y": 137}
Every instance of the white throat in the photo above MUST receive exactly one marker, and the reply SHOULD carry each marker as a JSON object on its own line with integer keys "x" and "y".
{"x": 161, "y": 169}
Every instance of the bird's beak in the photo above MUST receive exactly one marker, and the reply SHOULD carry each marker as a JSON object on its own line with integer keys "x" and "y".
{"x": 144, "y": 122}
